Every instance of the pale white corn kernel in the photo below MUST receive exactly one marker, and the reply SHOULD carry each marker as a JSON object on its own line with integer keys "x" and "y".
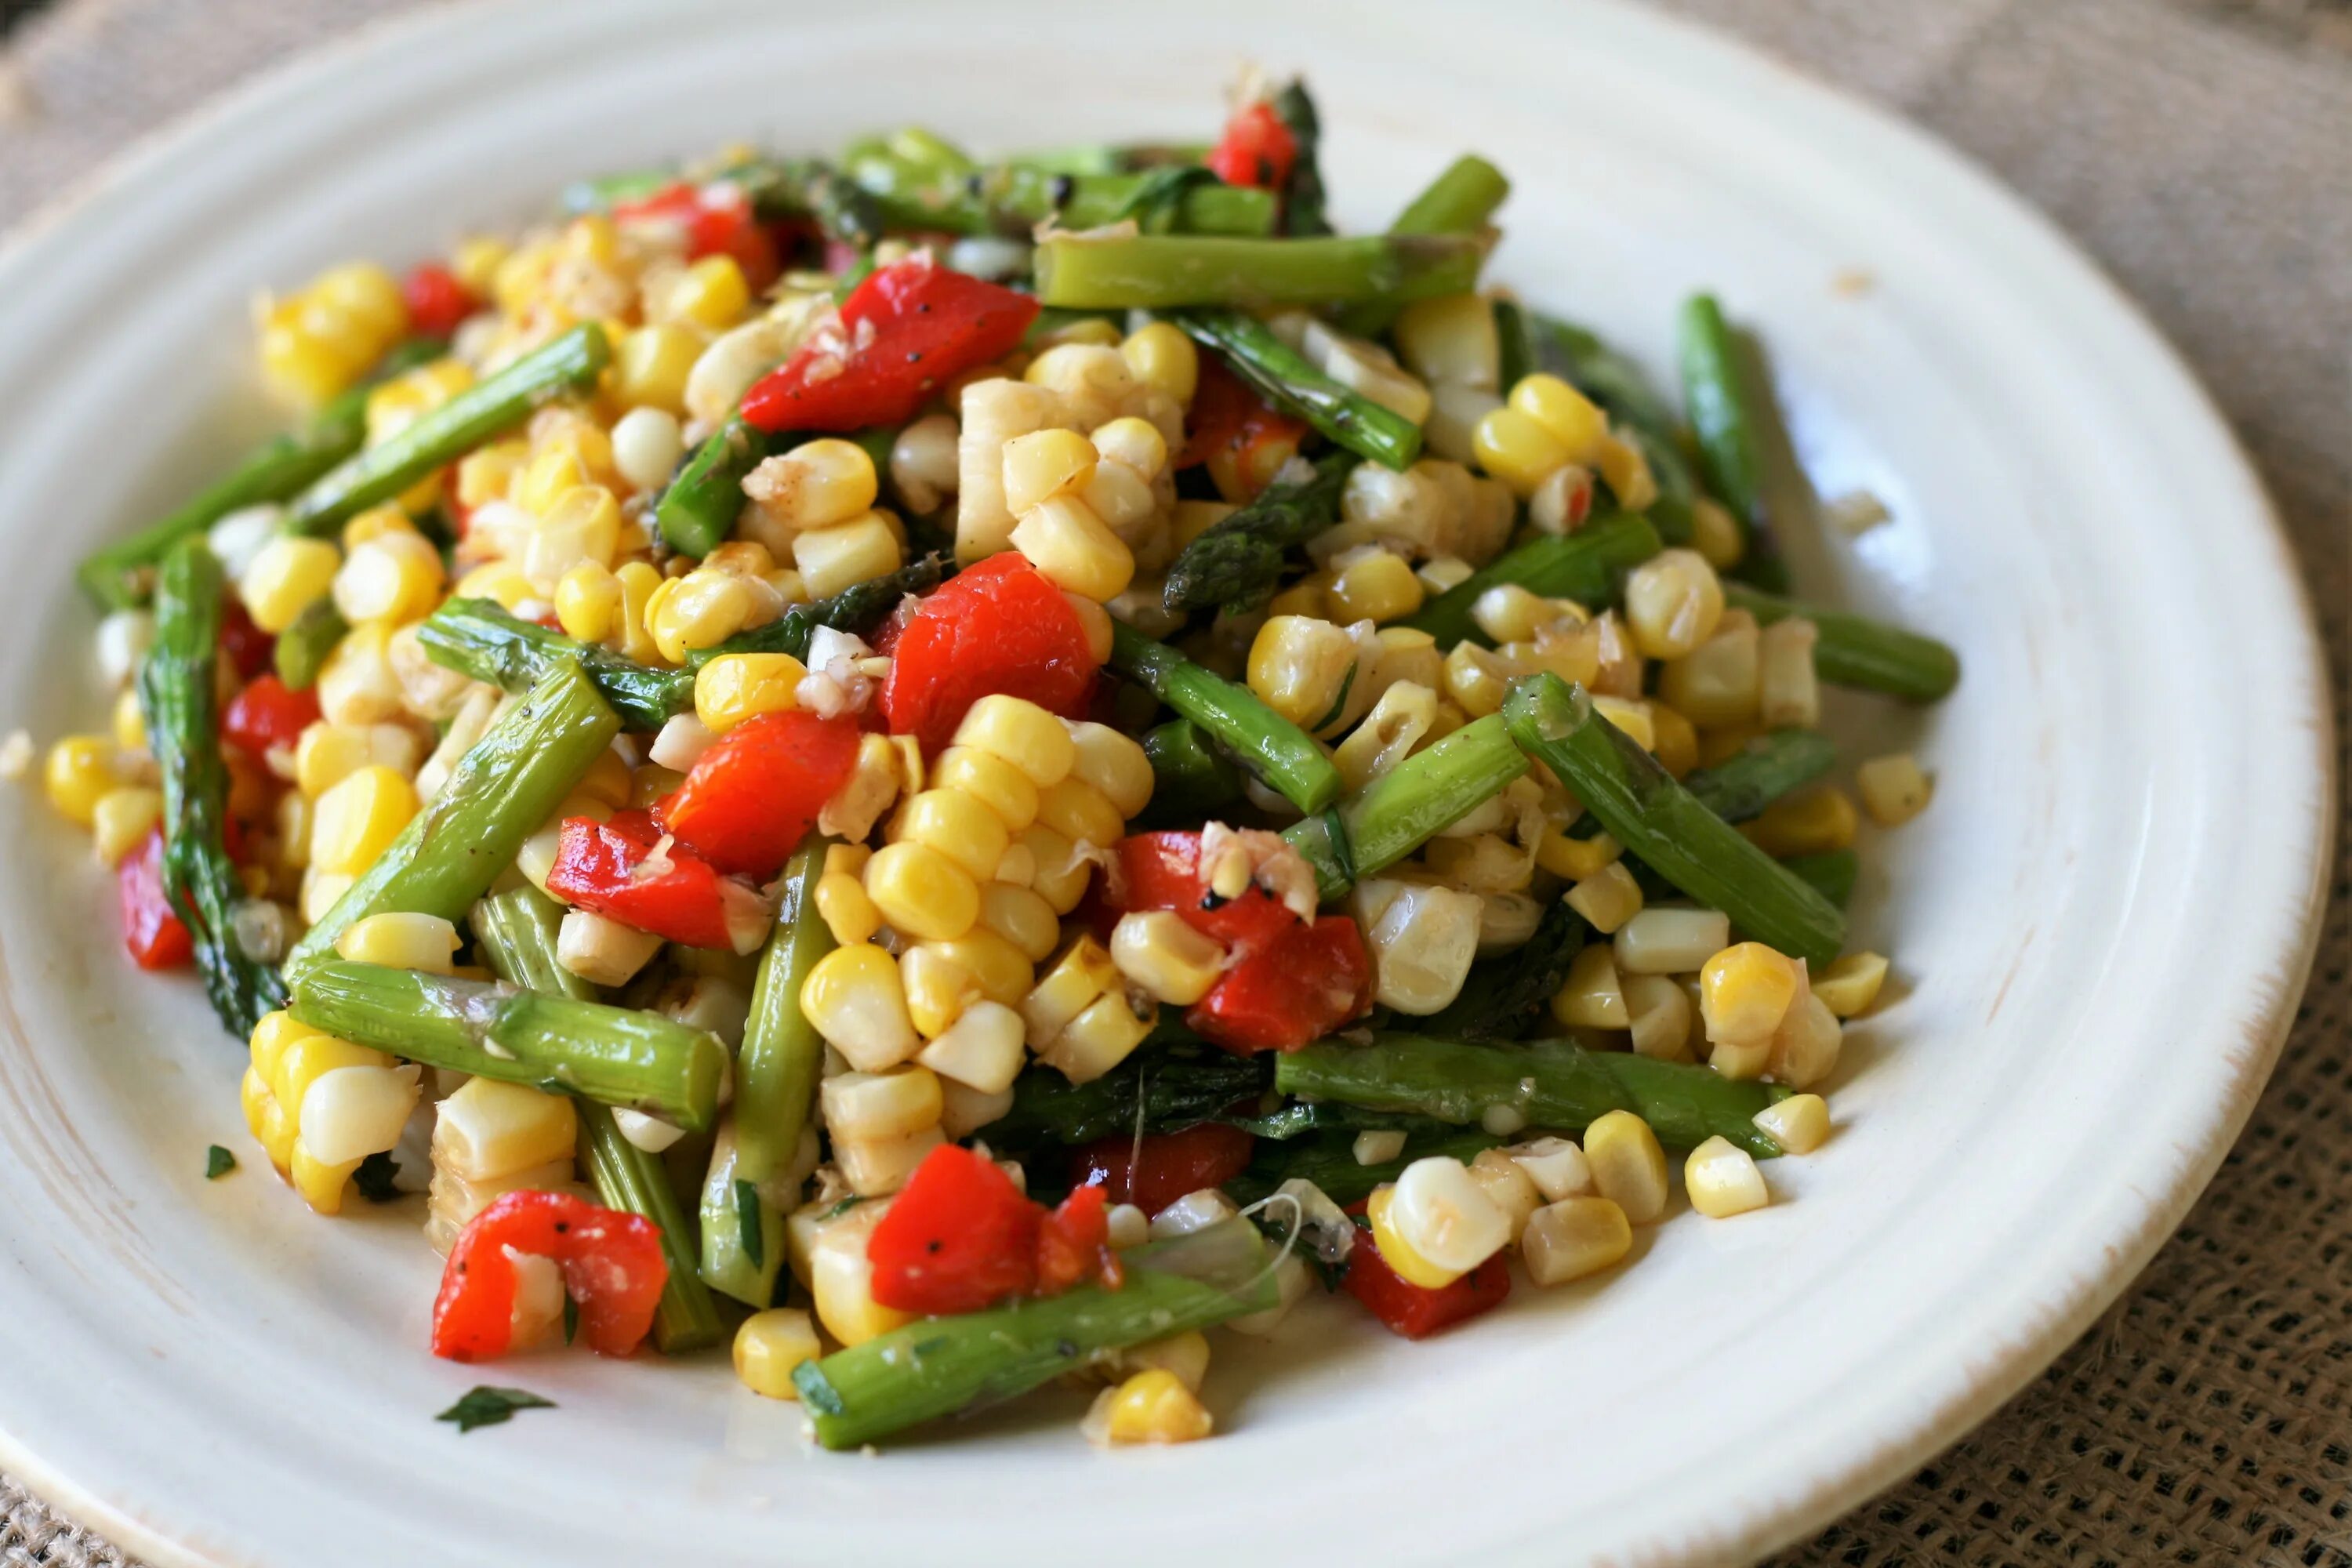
{"x": 1422, "y": 939}
{"x": 1667, "y": 940}
{"x": 424, "y": 943}
{"x": 1800, "y": 1123}
{"x": 1788, "y": 692}
{"x": 1893, "y": 788}
{"x": 1673, "y": 602}
{"x": 1805, "y": 1047}
{"x": 1130, "y": 1226}
{"x": 1407, "y": 508}
{"x": 1506, "y": 921}
{"x": 486, "y": 1130}
{"x": 725, "y": 371}
{"x": 983, "y": 1049}
{"x": 1716, "y": 683}
{"x": 1509, "y": 1187}
{"x": 1405, "y": 714}
{"x": 123, "y": 639}
{"x": 1443, "y": 573}
{"x": 646, "y": 446}
{"x": 876, "y": 1166}
{"x": 1722, "y": 1181}
{"x": 1554, "y": 1165}
{"x": 1166, "y": 958}
{"x": 1591, "y": 997}
{"x": 1074, "y": 549}
{"x": 714, "y": 1004}
{"x": 1659, "y": 1012}
{"x": 1114, "y": 763}
{"x": 1099, "y": 1038}
{"x": 1377, "y": 1146}
{"x": 1358, "y": 367}
{"x": 993, "y": 413}
{"x": 537, "y": 1313}
{"x": 1628, "y": 1168}
{"x": 923, "y": 464}
{"x": 602, "y": 951}
{"x": 358, "y": 684}
{"x": 1451, "y": 431}
{"x": 1193, "y": 1211}
{"x": 1563, "y": 500}
{"x": 351, "y": 1112}
{"x": 650, "y": 1133}
{"x": 844, "y": 554}
{"x": 1852, "y": 984}
{"x": 1093, "y": 380}
{"x": 239, "y": 535}
{"x": 680, "y": 743}
{"x": 1574, "y": 1237}
{"x": 1044, "y": 464}
{"x": 1292, "y": 1281}
{"x": 1445, "y": 1215}
{"x": 895, "y": 1103}
{"x": 964, "y": 1111}
{"x": 1452, "y": 338}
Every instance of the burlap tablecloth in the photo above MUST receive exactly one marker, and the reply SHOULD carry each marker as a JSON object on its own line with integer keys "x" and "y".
{"x": 2203, "y": 151}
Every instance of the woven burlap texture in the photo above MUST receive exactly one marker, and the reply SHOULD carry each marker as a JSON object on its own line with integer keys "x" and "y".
{"x": 2203, "y": 153}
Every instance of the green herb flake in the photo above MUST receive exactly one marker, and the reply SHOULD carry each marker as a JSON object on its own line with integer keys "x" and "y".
{"x": 747, "y": 1225}
{"x": 218, "y": 1163}
{"x": 484, "y": 1406}
{"x": 570, "y": 1319}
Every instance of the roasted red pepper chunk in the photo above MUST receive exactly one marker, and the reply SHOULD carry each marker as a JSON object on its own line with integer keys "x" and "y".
{"x": 250, "y": 649}
{"x": 1166, "y": 1167}
{"x": 1257, "y": 148}
{"x": 1413, "y": 1311}
{"x": 437, "y": 301}
{"x": 1243, "y": 438}
{"x": 265, "y": 717}
{"x": 905, "y": 333}
{"x": 717, "y": 220}
{"x": 154, "y": 935}
{"x": 1164, "y": 871}
{"x": 752, "y": 796}
{"x": 1297, "y": 988}
{"x": 961, "y": 1236}
{"x": 995, "y": 628}
{"x": 613, "y": 1269}
{"x": 610, "y": 869}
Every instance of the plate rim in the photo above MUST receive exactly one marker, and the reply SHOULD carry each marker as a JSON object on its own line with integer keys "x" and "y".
{"x": 2068, "y": 1310}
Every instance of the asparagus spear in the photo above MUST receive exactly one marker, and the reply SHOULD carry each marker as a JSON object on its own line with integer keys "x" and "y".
{"x": 1553, "y": 1084}
{"x": 1585, "y": 566}
{"x": 517, "y": 934}
{"x": 700, "y": 504}
{"x": 1829, "y": 873}
{"x": 1855, "y": 650}
{"x": 1191, "y": 779}
{"x": 1505, "y": 994}
{"x": 1288, "y": 381}
{"x": 477, "y": 637}
{"x": 496, "y": 796}
{"x": 936, "y": 1366}
{"x": 1533, "y": 341}
{"x": 860, "y": 607}
{"x": 1302, "y": 196}
{"x": 1731, "y": 413}
{"x": 1764, "y": 770}
{"x": 1164, "y": 1090}
{"x": 490, "y": 408}
{"x": 1458, "y": 201}
{"x": 1328, "y": 1160}
{"x": 1235, "y": 562}
{"x": 181, "y": 703}
{"x": 1158, "y": 272}
{"x": 775, "y": 1086}
{"x": 1109, "y": 157}
{"x": 614, "y": 1056}
{"x": 302, "y": 648}
{"x": 1012, "y": 199}
{"x": 1402, "y": 809}
{"x": 1277, "y": 753}
{"x": 120, "y": 576}
{"x": 1657, "y": 820}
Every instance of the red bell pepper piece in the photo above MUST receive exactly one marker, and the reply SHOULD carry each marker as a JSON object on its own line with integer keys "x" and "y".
{"x": 717, "y": 220}
{"x": 1300, "y": 987}
{"x": 265, "y": 716}
{"x": 1162, "y": 871}
{"x": 1073, "y": 1243}
{"x": 609, "y": 868}
{"x": 250, "y": 649}
{"x": 995, "y": 627}
{"x": 1244, "y": 439}
{"x": 611, "y": 1262}
{"x": 1173, "y": 1164}
{"x": 958, "y": 1236}
{"x": 1414, "y": 1310}
{"x": 1257, "y": 148}
{"x": 154, "y": 935}
{"x": 754, "y": 794}
{"x": 436, "y": 300}
{"x": 907, "y": 331}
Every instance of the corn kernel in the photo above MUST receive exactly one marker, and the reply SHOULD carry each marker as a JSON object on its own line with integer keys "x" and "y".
{"x": 1673, "y": 602}
{"x": 844, "y": 554}
{"x": 488, "y": 1130}
{"x": 738, "y": 686}
{"x": 983, "y": 1049}
{"x": 1477, "y": 679}
{"x": 959, "y": 826}
{"x": 712, "y": 294}
{"x": 1021, "y": 733}
{"x": 425, "y": 943}
{"x": 1631, "y": 717}
{"x": 1607, "y": 898}
{"x": 1080, "y": 813}
{"x": 1628, "y": 1168}
{"x": 1722, "y": 1181}
{"x": 769, "y": 1345}
{"x": 358, "y": 819}
{"x": 1304, "y": 669}
{"x": 1893, "y": 790}
{"x": 1379, "y": 586}
{"x": 1152, "y": 1406}
{"x": 699, "y": 610}
{"x": 1043, "y": 465}
{"x": 1163, "y": 358}
{"x": 393, "y": 577}
{"x": 1067, "y": 990}
{"x": 1788, "y": 686}
{"x": 839, "y": 1277}
{"x": 287, "y": 576}
{"x": 588, "y": 602}
{"x": 1811, "y": 822}
{"x": 874, "y": 1167}
{"x": 122, "y": 820}
{"x": 1715, "y": 535}
{"x": 1514, "y": 448}
{"x": 891, "y": 1104}
{"x": 1744, "y": 993}
{"x": 847, "y": 912}
{"x": 583, "y": 525}
{"x": 1058, "y": 873}
{"x": 639, "y": 581}
{"x": 130, "y": 722}
{"x": 1590, "y": 997}
{"x": 818, "y": 484}
{"x": 500, "y": 579}
{"x": 1573, "y": 1238}
{"x": 1567, "y": 415}
{"x": 854, "y": 998}
{"x": 1564, "y": 855}
{"x": 922, "y": 892}
{"x": 1166, "y": 958}
{"x": 1075, "y": 549}
{"x": 1002, "y": 972}
{"x": 1396, "y": 1251}
{"x": 1851, "y": 984}
{"x": 79, "y": 772}
{"x": 1800, "y": 1124}
{"x": 1451, "y": 339}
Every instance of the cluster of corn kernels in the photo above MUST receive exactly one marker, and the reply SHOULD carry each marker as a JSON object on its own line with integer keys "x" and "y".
{"x": 490, "y": 1139}
{"x": 1452, "y": 344}
{"x": 319, "y": 1105}
{"x": 320, "y": 339}
{"x": 1546, "y": 441}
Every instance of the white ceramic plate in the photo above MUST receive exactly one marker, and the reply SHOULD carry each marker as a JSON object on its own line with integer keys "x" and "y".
{"x": 2102, "y": 925}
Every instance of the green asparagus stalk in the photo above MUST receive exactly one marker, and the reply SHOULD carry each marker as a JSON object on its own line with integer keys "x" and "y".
{"x": 181, "y": 703}
{"x": 1767, "y": 768}
{"x": 1012, "y": 199}
{"x": 1276, "y": 751}
{"x": 1505, "y": 993}
{"x": 614, "y": 1056}
{"x": 441, "y": 435}
{"x": 1831, "y": 873}
{"x": 1405, "y": 808}
{"x": 1585, "y": 566}
{"x": 1191, "y": 779}
{"x": 517, "y": 934}
{"x": 1658, "y": 821}
{"x": 1288, "y": 381}
{"x": 302, "y": 648}
{"x": 496, "y": 796}
{"x": 1458, "y": 201}
{"x": 1552, "y": 1084}
{"x": 1855, "y": 650}
{"x": 698, "y": 508}
{"x": 1732, "y": 414}
{"x": 1328, "y": 1160}
{"x": 1164, "y": 1090}
{"x": 1302, "y": 196}
{"x": 477, "y": 637}
{"x": 1235, "y": 562}
{"x": 775, "y": 1087}
{"x": 1158, "y": 272}
{"x": 1109, "y": 157}
{"x": 860, "y": 607}
{"x": 120, "y": 576}
{"x": 939, "y": 1365}
{"x": 1532, "y": 342}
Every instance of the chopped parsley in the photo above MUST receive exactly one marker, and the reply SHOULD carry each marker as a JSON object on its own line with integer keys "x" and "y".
{"x": 218, "y": 1163}
{"x": 486, "y": 1406}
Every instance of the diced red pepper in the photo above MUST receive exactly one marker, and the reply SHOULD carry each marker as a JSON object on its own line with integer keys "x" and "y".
{"x": 1297, "y": 988}
{"x": 154, "y": 935}
{"x": 265, "y": 716}
{"x": 1244, "y": 440}
{"x": 250, "y": 649}
{"x": 611, "y": 1262}
{"x": 1162, "y": 871}
{"x": 607, "y": 868}
{"x": 717, "y": 220}
{"x": 436, "y": 300}
{"x": 754, "y": 794}
{"x": 958, "y": 1236}
{"x": 1073, "y": 1243}
{"x": 905, "y": 332}
{"x": 1414, "y": 1310}
{"x": 1173, "y": 1164}
{"x": 994, "y": 628}
{"x": 1257, "y": 149}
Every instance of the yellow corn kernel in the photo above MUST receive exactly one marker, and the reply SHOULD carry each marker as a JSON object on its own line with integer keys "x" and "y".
{"x": 847, "y": 912}
{"x": 712, "y": 294}
{"x": 1396, "y": 1251}
{"x": 489, "y": 472}
{"x": 854, "y": 998}
{"x": 1304, "y": 668}
{"x": 1591, "y": 997}
{"x": 1512, "y": 446}
{"x": 1152, "y": 1406}
{"x": 475, "y": 263}
{"x": 329, "y": 754}
{"x": 375, "y": 522}
{"x": 1626, "y": 468}
{"x": 1002, "y": 971}
{"x": 1164, "y": 359}
{"x": 639, "y": 581}
{"x": 1021, "y": 733}
{"x": 1477, "y": 679}
{"x": 1134, "y": 444}
{"x": 894, "y": 1104}
{"x": 425, "y": 943}
{"x": 1800, "y": 1124}
{"x": 79, "y": 772}
{"x": 588, "y": 602}
{"x": 1575, "y": 858}
{"x": 938, "y": 989}
{"x": 1722, "y": 1181}
{"x": 1672, "y": 603}
{"x": 650, "y": 366}
{"x": 844, "y": 554}
{"x": 1451, "y": 339}
{"x": 1075, "y": 549}
{"x": 1080, "y": 813}
{"x": 1377, "y": 587}
{"x": 1021, "y": 917}
{"x": 122, "y": 819}
{"x": 1058, "y": 872}
{"x": 306, "y": 1058}
{"x": 1628, "y": 1168}
{"x": 272, "y": 1035}
{"x": 1569, "y": 417}
{"x": 1045, "y": 464}
{"x": 1715, "y": 535}
{"x": 1304, "y": 597}
{"x": 1674, "y": 740}
{"x": 1848, "y": 986}
{"x": 701, "y": 609}
{"x": 1631, "y": 717}
{"x": 841, "y": 1280}
{"x": 322, "y": 1186}
{"x": 287, "y": 576}
{"x": 1894, "y": 789}
{"x": 738, "y": 686}
{"x": 1067, "y": 990}
{"x": 922, "y": 892}
{"x": 395, "y": 578}
{"x": 1166, "y": 958}
{"x": 1573, "y": 1237}
{"x": 819, "y": 484}
{"x": 130, "y": 722}
{"x": 959, "y": 826}
{"x": 358, "y": 819}
{"x": 500, "y": 579}
{"x": 1811, "y": 822}
{"x": 1114, "y": 763}
{"x": 1100, "y": 1037}
{"x": 553, "y": 472}
{"x": 488, "y": 1130}
{"x": 769, "y": 1345}
{"x": 581, "y": 526}
{"x": 1608, "y": 897}
{"x": 1744, "y": 992}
